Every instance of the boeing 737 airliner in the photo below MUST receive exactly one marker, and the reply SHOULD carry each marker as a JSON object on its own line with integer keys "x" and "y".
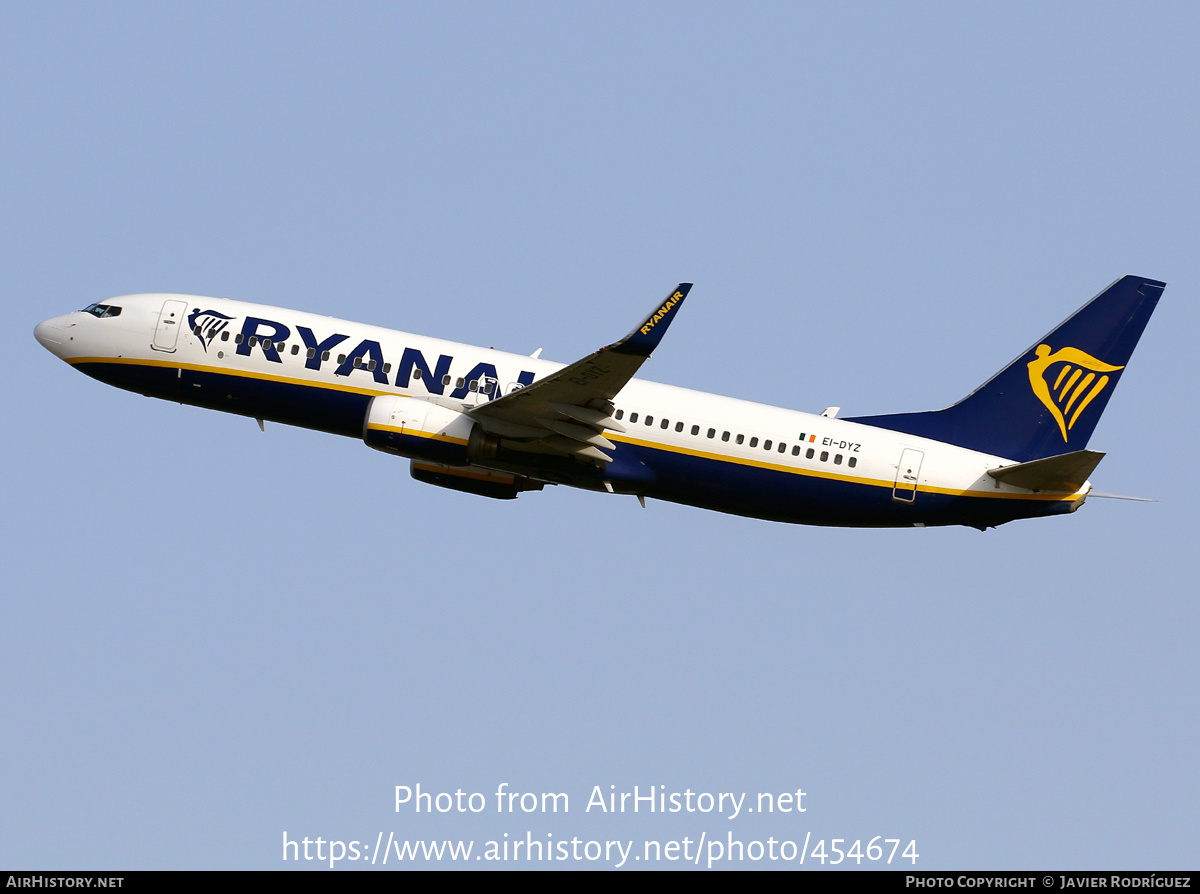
{"x": 495, "y": 424}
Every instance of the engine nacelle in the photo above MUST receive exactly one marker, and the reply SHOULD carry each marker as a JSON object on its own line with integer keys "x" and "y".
{"x": 473, "y": 480}
{"x": 420, "y": 429}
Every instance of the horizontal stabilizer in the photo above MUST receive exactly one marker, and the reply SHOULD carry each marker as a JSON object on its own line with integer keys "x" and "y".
{"x": 1066, "y": 472}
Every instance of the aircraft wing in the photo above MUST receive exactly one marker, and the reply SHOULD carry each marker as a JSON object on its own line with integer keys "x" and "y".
{"x": 568, "y": 411}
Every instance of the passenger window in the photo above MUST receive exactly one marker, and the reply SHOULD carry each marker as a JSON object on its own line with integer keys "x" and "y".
{"x": 824, "y": 456}
{"x": 766, "y": 445}
{"x": 358, "y": 363}
{"x": 837, "y": 460}
{"x": 341, "y": 359}
{"x": 754, "y": 442}
{"x": 488, "y": 385}
{"x": 416, "y": 374}
{"x": 712, "y": 432}
{"x": 678, "y": 426}
{"x": 446, "y": 379}
{"x": 224, "y": 336}
{"x": 853, "y": 462}
{"x": 796, "y": 450}
{"x": 741, "y": 438}
{"x": 387, "y": 368}
{"x": 633, "y": 417}
{"x": 237, "y": 339}
{"x": 620, "y": 414}
{"x": 252, "y": 341}
{"x": 649, "y": 420}
{"x": 808, "y": 454}
{"x": 665, "y": 424}
{"x": 725, "y": 436}
{"x": 459, "y": 383}
{"x": 295, "y": 350}
{"x": 324, "y": 355}
{"x": 782, "y": 447}
{"x": 474, "y": 386}
{"x": 371, "y": 365}
{"x": 196, "y": 331}
{"x": 695, "y": 429}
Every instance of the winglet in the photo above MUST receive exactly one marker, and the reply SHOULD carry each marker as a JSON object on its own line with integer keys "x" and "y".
{"x": 648, "y": 333}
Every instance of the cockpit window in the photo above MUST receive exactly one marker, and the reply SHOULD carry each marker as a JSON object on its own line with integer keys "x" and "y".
{"x": 103, "y": 310}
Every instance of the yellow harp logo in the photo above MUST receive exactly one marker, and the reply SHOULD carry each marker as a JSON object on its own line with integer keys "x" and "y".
{"x": 1075, "y": 382}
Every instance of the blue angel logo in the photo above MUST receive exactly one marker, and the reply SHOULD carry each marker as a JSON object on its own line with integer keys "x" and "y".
{"x": 207, "y": 325}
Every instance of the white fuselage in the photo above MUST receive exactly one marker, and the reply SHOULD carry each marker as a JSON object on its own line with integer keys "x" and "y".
{"x": 288, "y": 366}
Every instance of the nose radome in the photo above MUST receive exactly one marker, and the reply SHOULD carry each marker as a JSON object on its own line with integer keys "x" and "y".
{"x": 49, "y": 333}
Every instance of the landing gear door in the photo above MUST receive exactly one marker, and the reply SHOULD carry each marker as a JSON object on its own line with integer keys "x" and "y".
{"x": 170, "y": 321}
{"x": 908, "y": 472}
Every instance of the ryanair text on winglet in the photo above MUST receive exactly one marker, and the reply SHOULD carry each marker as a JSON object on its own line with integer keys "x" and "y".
{"x": 661, "y": 312}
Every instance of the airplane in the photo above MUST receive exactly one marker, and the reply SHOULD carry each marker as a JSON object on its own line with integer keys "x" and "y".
{"x": 498, "y": 424}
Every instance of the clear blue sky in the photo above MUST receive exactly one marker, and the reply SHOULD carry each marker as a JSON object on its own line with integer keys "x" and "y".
{"x": 210, "y": 635}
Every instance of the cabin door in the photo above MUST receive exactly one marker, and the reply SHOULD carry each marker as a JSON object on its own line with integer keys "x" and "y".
{"x": 170, "y": 321}
{"x": 908, "y": 472}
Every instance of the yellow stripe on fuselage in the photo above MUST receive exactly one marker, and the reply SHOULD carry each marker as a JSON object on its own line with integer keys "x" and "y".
{"x": 834, "y": 476}
{"x": 613, "y": 436}
{"x": 415, "y": 433}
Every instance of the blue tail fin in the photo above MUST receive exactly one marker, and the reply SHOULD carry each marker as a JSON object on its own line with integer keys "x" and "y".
{"x": 1049, "y": 399}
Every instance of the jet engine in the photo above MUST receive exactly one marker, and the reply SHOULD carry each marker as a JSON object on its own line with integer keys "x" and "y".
{"x": 421, "y": 429}
{"x": 474, "y": 480}
{"x": 442, "y": 444}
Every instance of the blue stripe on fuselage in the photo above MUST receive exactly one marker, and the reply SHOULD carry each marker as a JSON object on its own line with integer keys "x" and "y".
{"x": 798, "y": 497}
{"x": 708, "y": 482}
{"x": 337, "y": 411}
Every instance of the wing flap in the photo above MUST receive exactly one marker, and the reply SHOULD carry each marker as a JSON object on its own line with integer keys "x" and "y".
{"x": 571, "y": 447}
{"x": 595, "y": 418}
{"x": 582, "y": 433}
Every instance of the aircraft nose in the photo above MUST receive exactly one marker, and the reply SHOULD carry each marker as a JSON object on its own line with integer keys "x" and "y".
{"x": 50, "y": 334}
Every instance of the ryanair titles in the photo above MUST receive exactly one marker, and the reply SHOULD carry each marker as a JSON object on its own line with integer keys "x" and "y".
{"x": 268, "y": 336}
{"x": 661, "y": 312}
